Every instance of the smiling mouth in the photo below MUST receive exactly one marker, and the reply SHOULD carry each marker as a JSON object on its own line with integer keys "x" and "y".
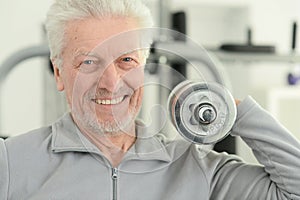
{"x": 114, "y": 101}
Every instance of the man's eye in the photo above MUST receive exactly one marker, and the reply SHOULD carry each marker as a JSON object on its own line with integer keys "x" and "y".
{"x": 88, "y": 66}
{"x": 127, "y": 63}
{"x": 127, "y": 59}
{"x": 88, "y": 62}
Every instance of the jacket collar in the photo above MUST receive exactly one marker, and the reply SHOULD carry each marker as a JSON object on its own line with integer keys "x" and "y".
{"x": 68, "y": 138}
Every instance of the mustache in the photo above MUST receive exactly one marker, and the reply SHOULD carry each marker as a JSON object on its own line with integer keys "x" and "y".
{"x": 104, "y": 93}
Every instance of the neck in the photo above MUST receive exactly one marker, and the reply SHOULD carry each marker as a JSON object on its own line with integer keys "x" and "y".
{"x": 113, "y": 145}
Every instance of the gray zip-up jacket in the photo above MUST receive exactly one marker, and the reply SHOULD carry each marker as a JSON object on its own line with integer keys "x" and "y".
{"x": 59, "y": 163}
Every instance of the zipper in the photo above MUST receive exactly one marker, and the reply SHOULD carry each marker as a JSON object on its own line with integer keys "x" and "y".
{"x": 114, "y": 177}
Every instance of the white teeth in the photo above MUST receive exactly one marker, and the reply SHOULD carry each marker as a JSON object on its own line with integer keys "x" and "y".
{"x": 109, "y": 102}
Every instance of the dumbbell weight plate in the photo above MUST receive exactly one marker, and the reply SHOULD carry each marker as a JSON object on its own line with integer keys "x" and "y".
{"x": 202, "y": 113}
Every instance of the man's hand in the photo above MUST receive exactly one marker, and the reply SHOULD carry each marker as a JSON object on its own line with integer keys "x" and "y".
{"x": 237, "y": 102}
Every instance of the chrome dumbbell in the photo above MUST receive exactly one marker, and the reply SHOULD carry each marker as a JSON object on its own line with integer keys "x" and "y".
{"x": 202, "y": 113}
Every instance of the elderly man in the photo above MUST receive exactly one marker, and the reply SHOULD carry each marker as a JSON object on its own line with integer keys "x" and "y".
{"x": 99, "y": 150}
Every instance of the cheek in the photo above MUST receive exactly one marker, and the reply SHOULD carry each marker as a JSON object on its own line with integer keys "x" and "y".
{"x": 85, "y": 85}
{"x": 134, "y": 78}
{"x": 140, "y": 97}
{"x": 67, "y": 79}
{"x": 136, "y": 100}
{"x": 77, "y": 85}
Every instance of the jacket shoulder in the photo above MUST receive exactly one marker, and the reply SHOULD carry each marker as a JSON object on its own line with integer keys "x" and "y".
{"x": 29, "y": 140}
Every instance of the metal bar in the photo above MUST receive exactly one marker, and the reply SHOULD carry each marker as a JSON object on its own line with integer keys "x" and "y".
{"x": 12, "y": 62}
{"x": 180, "y": 51}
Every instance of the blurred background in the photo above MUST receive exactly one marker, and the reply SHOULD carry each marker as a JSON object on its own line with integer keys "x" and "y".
{"x": 255, "y": 41}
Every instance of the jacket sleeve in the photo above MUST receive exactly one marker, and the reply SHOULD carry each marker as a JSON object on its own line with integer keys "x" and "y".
{"x": 276, "y": 150}
{"x": 4, "y": 178}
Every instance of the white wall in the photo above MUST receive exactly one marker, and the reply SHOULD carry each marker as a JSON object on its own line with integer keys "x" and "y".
{"x": 271, "y": 21}
{"x": 21, "y": 93}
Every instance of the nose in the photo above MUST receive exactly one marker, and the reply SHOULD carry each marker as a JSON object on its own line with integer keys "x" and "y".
{"x": 109, "y": 78}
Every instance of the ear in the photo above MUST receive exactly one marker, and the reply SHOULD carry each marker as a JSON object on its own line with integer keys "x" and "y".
{"x": 58, "y": 78}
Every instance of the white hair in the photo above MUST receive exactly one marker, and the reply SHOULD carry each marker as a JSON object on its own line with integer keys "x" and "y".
{"x": 64, "y": 11}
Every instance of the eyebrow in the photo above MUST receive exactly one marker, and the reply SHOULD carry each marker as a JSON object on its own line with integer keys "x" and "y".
{"x": 92, "y": 54}
{"x": 101, "y": 59}
{"x": 135, "y": 51}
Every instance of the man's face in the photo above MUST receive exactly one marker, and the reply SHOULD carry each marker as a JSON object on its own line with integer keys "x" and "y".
{"x": 102, "y": 74}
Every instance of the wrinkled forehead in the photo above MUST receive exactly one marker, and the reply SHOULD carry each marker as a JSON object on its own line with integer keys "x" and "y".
{"x": 108, "y": 35}
{"x": 124, "y": 43}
